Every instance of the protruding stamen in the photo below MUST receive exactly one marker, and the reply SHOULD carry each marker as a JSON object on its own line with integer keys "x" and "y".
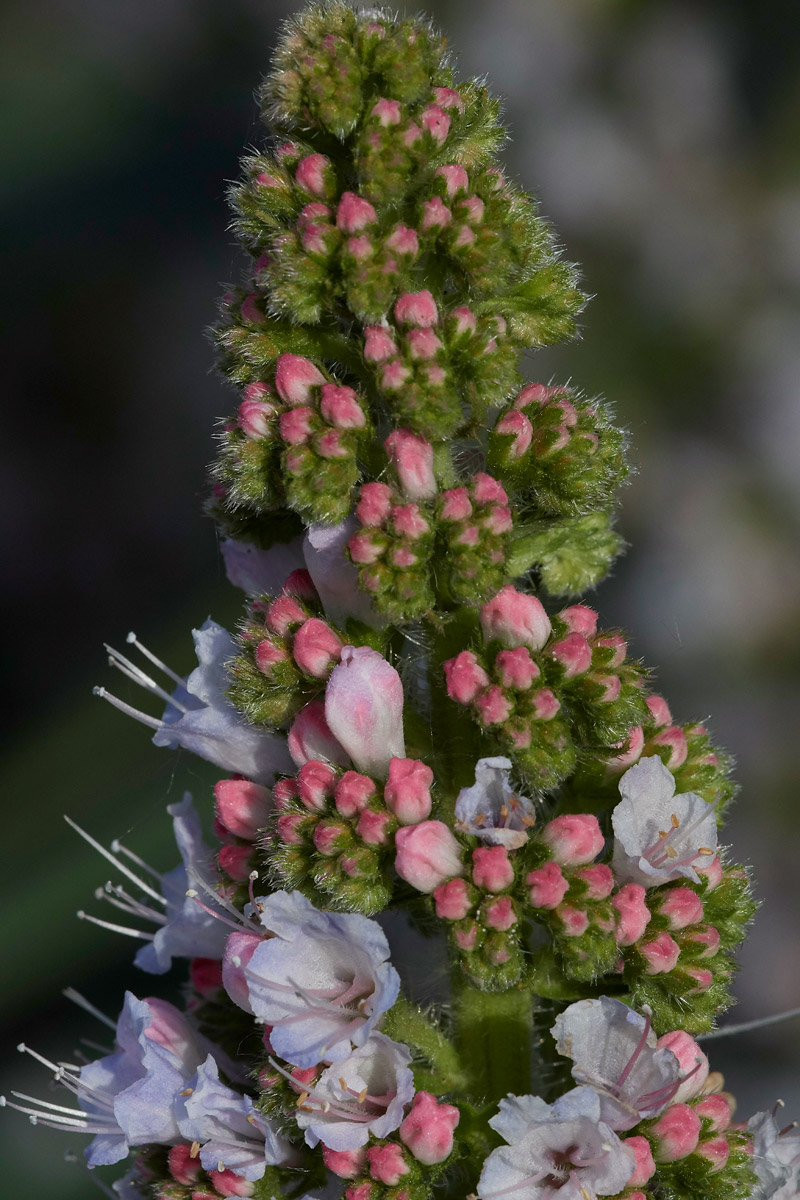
{"x": 132, "y": 640}
{"x": 136, "y": 933}
{"x": 123, "y": 664}
{"x": 140, "y": 883}
{"x": 87, "y": 1006}
{"x": 118, "y": 848}
{"x": 128, "y": 709}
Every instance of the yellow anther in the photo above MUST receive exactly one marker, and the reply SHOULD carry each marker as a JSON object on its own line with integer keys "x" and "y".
{"x": 186, "y": 1092}
{"x": 675, "y": 821}
{"x": 342, "y": 1084}
{"x": 195, "y": 1150}
{"x": 362, "y": 1095}
{"x": 671, "y": 852}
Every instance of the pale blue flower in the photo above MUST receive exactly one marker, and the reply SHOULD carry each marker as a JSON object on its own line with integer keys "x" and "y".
{"x": 261, "y": 572}
{"x": 776, "y": 1159}
{"x": 562, "y": 1149}
{"x": 359, "y": 1097}
{"x": 615, "y": 1052}
{"x": 322, "y": 981}
{"x": 228, "y": 1126}
{"x": 491, "y": 810}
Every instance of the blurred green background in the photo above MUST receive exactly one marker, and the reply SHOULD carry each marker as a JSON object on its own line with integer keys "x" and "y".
{"x": 663, "y": 139}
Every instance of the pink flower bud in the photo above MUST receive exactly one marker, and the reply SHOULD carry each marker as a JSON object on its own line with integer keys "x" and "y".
{"x": 407, "y": 793}
{"x": 283, "y": 614}
{"x": 182, "y": 1166}
{"x": 363, "y": 1191}
{"x": 255, "y": 416}
{"x": 310, "y": 174}
{"x": 353, "y": 793}
{"x": 250, "y": 310}
{"x": 716, "y": 1109}
{"x": 316, "y": 781}
{"x": 692, "y": 1061}
{"x": 681, "y": 906}
{"x": 645, "y": 1167}
{"x": 388, "y": 112}
{"x": 579, "y": 618}
{"x": 574, "y": 921}
{"x": 573, "y": 653}
{"x": 466, "y": 938}
{"x": 515, "y": 618}
{"x": 373, "y": 827}
{"x": 517, "y": 426}
{"x": 713, "y": 872}
{"x": 465, "y": 677}
{"x": 316, "y": 648}
{"x": 428, "y": 1129}
{"x": 452, "y": 900}
{"x": 329, "y": 837}
{"x": 290, "y": 828}
{"x": 545, "y": 704}
{"x": 616, "y": 643}
{"x": 464, "y": 319}
{"x": 437, "y": 123}
{"x": 228, "y": 1183}
{"x": 339, "y": 407}
{"x": 659, "y": 710}
{"x": 310, "y": 737}
{"x": 206, "y": 976}
{"x": 574, "y": 839}
{"x": 630, "y": 751}
{"x": 375, "y": 504}
{"x": 394, "y": 376}
{"x": 447, "y": 98}
{"x": 242, "y": 806}
{"x": 599, "y": 881}
{"x": 364, "y": 709}
{"x": 344, "y": 1163}
{"x": 379, "y": 345}
{"x": 456, "y": 505}
{"x": 416, "y": 308}
{"x": 366, "y": 546}
{"x": 715, "y": 1151}
{"x": 412, "y": 457}
{"x": 532, "y": 393}
{"x": 234, "y": 860}
{"x": 493, "y": 706}
{"x": 354, "y": 213}
{"x": 331, "y": 445}
{"x": 239, "y": 949}
{"x": 408, "y": 521}
{"x": 677, "y": 1132}
{"x": 296, "y": 425}
{"x": 423, "y": 344}
{"x": 547, "y": 885}
{"x": 516, "y": 668}
{"x": 403, "y": 241}
{"x": 491, "y": 868}
{"x": 268, "y": 654}
{"x": 675, "y": 739}
{"x": 295, "y": 377}
{"x": 427, "y": 855}
{"x": 661, "y": 955}
{"x": 500, "y": 914}
{"x": 702, "y": 978}
{"x": 634, "y": 915}
{"x": 387, "y": 1164}
{"x": 611, "y": 685}
{"x": 455, "y": 178}
{"x": 488, "y": 490}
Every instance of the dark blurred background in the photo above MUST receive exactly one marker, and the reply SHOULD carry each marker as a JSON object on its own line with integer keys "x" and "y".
{"x": 663, "y": 139}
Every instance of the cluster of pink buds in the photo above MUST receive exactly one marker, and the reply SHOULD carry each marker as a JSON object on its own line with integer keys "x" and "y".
{"x": 288, "y": 652}
{"x": 335, "y": 831}
{"x": 392, "y": 551}
{"x": 540, "y": 688}
{"x": 553, "y": 443}
{"x": 476, "y": 521}
{"x": 193, "y": 1182}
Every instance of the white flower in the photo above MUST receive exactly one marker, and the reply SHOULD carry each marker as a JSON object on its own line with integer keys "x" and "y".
{"x": 261, "y": 572}
{"x": 776, "y": 1158}
{"x": 491, "y": 810}
{"x": 614, "y": 1051}
{"x": 562, "y": 1149}
{"x": 335, "y": 577}
{"x": 660, "y": 836}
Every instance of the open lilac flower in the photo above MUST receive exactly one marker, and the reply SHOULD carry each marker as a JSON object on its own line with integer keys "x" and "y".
{"x": 491, "y": 810}
{"x": 776, "y": 1158}
{"x": 261, "y": 572}
{"x": 562, "y": 1149}
{"x": 322, "y": 981}
{"x": 359, "y": 1096}
{"x": 335, "y": 577}
{"x": 199, "y": 717}
{"x": 660, "y": 836}
{"x": 229, "y": 1127}
{"x": 187, "y": 929}
{"x": 364, "y": 709}
{"x": 128, "y": 1098}
{"x": 614, "y": 1051}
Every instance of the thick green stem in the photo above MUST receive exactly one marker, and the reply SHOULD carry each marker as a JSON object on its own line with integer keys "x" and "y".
{"x": 494, "y": 1033}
